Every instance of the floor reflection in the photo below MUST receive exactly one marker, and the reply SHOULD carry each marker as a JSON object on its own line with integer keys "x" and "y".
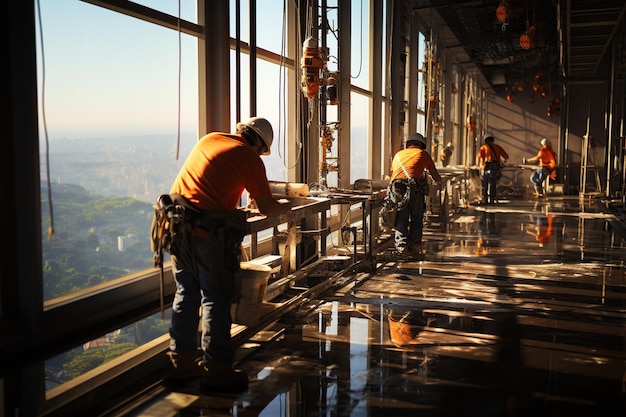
{"x": 517, "y": 310}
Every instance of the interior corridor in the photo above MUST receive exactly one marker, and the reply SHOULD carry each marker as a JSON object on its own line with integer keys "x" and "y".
{"x": 517, "y": 309}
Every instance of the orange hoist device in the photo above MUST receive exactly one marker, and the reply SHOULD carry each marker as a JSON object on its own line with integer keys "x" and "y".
{"x": 311, "y": 64}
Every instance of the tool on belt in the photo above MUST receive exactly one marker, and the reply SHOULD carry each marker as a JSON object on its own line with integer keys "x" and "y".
{"x": 172, "y": 231}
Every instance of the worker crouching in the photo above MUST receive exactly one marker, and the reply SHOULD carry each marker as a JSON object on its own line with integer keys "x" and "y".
{"x": 546, "y": 157}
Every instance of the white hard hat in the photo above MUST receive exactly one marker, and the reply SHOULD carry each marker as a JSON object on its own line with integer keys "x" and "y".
{"x": 416, "y": 138}
{"x": 545, "y": 141}
{"x": 261, "y": 127}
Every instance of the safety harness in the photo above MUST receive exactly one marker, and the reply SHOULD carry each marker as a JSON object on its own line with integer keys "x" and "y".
{"x": 400, "y": 190}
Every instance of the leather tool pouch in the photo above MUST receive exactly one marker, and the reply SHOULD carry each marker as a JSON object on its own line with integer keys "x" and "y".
{"x": 175, "y": 219}
{"x": 172, "y": 232}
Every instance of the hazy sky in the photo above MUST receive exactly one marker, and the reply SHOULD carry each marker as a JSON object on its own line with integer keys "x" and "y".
{"x": 106, "y": 71}
{"x": 107, "y": 74}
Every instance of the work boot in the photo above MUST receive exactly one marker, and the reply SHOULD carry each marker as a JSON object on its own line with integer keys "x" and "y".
{"x": 186, "y": 365}
{"x": 219, "y": 377}
{"x": 399, "y": 251}
{"x": 415, "y": 252}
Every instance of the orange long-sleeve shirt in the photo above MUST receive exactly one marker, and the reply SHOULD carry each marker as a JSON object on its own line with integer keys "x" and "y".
{"x": 547, "y": 157}
{"x": 485, "y": 154}
{"x": 415, "y": 161}
{"x": 219, "y": 167}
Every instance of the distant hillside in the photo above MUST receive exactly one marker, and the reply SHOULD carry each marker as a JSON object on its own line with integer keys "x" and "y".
{"x": 141, "y": 167}
{"x": 95, "y": 239}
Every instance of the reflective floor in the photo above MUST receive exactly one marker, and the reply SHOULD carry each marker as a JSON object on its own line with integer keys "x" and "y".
{"x": 518, "y": 309}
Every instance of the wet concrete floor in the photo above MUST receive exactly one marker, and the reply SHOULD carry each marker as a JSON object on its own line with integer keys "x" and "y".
{"x": 517, "y": 309}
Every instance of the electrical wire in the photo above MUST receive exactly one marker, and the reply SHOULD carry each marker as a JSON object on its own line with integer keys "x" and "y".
{"x": 309, "y": 21}
{"x": 281, "y": 87}
{"x": 281, "y": 108}
{"x": 179, "y": 78}
{"x": 45, "y": 125}
{"x": 361, "y": 42}
{"x": 309, "y": 33}
{"x": 346, "y": 221}
{"x": 299, "y": 102}
{"x": 429, "y": 80}
{"x": 387, "y": 92}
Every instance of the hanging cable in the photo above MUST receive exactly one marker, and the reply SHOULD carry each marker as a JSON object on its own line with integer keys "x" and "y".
{"x": 45, "y": 126}
{"x": 282, "y": 114}
{"x": 309, "y": 34}
{"x": 179, "y": 78}
{"x": 302, "y": 149}
{"x": 281, "y": 87}
{"x": 361, "y": 44}
{"x": 429, "y": 80}
{"x": 387, "y": 92}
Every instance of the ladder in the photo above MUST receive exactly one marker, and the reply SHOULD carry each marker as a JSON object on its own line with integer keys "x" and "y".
{"x": 588, "y": 151}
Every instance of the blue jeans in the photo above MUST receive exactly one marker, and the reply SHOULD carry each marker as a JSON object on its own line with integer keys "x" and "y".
{"x": 538, "y": 177}
{"x": 214, "y": 294}
{"x": 489, "y": 181}
{"x": 410, "y": 222}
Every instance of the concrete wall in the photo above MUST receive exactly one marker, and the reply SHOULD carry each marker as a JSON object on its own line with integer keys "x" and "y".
{"x": 519, "y": 127}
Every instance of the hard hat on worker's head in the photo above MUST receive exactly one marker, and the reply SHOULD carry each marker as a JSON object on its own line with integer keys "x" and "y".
{"x": 416, "y": 139}
{"x": 262, "y": 128}
{"x": 545, "y": 142}
{"x": 450, "y": 145}
{"x": 489, "y": 138}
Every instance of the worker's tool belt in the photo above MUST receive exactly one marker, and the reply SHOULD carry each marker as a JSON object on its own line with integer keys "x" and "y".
{"x": 493, "y": 169}
{"x": 399, "y": 192}
{"x": 402, "y": 191}
{"x": 173, "y": 225}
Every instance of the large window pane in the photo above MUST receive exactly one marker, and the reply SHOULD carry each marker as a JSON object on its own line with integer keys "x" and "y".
{"x": 359, "y": 144}
{"x": 271, "y": 25}
{"x": 421, "y": 91}
{"x": 272, "y": 104}
{"x": 271, "y": 93}
{"x": 90, "y": 355}
{"x": 109, "y": 89}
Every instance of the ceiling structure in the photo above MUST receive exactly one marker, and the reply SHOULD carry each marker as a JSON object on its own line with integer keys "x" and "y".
{"x": 570, "y": 40}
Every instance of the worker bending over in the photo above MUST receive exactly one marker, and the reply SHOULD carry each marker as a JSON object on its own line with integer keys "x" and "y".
{"x": 409, "y": 184}
{"x": 206, "y": 261}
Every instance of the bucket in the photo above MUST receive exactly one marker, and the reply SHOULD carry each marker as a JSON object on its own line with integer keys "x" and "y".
{"x": 254, "y": 278}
